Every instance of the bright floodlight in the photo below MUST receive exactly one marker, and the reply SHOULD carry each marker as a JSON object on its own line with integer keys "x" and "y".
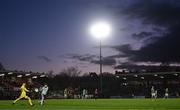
{"x": 100, "y": 30}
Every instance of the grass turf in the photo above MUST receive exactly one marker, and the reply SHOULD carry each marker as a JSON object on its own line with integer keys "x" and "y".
{"x": 91, "y": 104}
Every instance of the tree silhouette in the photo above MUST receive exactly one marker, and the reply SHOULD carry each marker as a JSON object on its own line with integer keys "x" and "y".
{"x": 71, "y": 72}
{"x": 1, "y": 66}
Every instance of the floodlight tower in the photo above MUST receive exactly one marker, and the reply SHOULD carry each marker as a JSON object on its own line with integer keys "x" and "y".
{"x": 100, "y": 30}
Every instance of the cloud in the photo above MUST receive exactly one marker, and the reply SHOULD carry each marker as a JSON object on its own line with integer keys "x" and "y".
{"x": 162, "y": 12}
{"x": 46, "y": 59}
{"x": 159, "y": 14}
{"x": 165, "y": 49}
{"x": 164, "y": 19}
{"x": 123, "y": 49}
{"x": 85, "y": 57}
{"x": 130, "y": 66}
{"x": 108, "y": 61}
{"x": 102, "y": 46}
{"x": 141, "y": 35}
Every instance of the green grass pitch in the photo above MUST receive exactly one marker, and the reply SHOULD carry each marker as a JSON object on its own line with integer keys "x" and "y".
{"x": 91, "y": 104}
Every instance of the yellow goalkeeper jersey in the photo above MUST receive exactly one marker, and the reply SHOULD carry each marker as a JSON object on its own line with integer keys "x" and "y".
{"x": 23, "y": 90}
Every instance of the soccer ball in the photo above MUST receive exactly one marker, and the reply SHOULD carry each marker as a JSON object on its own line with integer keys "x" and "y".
{"x": 36, "y": 90}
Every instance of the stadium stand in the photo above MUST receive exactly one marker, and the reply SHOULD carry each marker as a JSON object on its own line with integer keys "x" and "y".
{"x": 118, "y": 85}
{"x": 139, "y": 84}
{"x": 10, "y": 81}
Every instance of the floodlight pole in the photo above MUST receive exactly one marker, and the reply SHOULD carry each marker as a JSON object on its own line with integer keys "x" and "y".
{"x": 100, "y": 62}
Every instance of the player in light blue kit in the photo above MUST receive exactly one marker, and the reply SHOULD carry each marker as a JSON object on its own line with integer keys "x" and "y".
{"x": 44, "y": 91}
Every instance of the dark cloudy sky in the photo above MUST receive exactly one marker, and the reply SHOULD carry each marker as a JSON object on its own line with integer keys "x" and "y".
{"x": 43, "y": 35}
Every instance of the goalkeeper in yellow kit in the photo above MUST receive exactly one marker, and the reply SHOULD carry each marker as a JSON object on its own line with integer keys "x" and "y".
{"x": 23, "y": 94}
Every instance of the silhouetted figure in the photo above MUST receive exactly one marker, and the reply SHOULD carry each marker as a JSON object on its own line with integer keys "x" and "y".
{"x": 44, "y": 93}
{"x": 153, "y": 92}
{"x": 96, "y": 94}
{"x": 166, "y": 95}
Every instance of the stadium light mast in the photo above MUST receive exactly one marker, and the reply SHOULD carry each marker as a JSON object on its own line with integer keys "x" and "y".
{"x": 100, "y": 30}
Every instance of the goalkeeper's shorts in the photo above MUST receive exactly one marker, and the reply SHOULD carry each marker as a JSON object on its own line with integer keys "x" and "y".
{"x": 23, "y": 95}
